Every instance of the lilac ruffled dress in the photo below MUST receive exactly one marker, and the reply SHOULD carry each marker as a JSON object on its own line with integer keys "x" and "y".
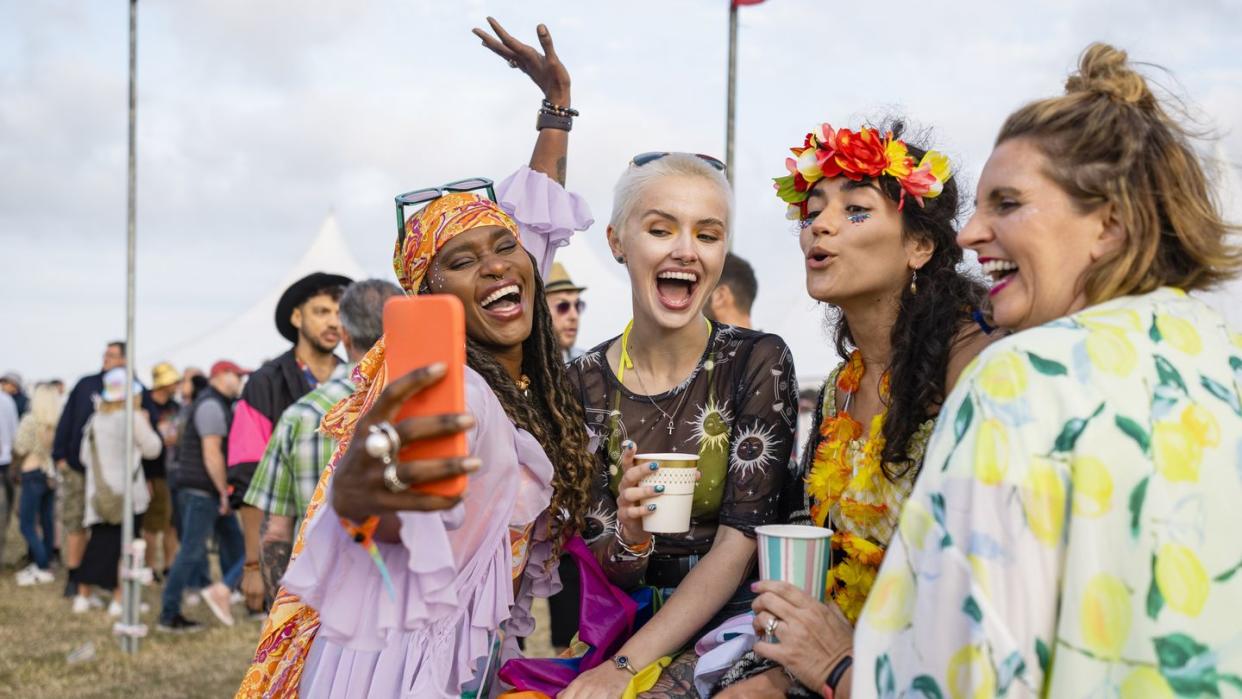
{"x": 453, "y": 570}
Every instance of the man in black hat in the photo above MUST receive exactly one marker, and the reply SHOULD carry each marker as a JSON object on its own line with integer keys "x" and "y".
{"x": 307, "y": 316}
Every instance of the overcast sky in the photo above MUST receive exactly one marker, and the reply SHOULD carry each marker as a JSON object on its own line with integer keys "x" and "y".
{"x": 258, "y": 118}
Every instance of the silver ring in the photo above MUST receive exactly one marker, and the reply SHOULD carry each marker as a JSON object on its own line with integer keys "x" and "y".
{"x": 391, "y": 481}
{"x": 770, "y": 627}
{"x": 382, "y": 440}
{"x": 513, "y": 63}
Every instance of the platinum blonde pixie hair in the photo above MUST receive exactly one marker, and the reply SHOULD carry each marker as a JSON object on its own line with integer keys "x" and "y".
{"x": 636, "y": 178}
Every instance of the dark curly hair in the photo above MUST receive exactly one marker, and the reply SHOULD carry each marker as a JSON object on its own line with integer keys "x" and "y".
{"x": 928, "y": 322}
{"x": 548, "y": 410}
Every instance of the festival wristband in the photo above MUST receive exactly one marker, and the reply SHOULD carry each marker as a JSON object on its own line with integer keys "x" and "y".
{"x": 834, "y": 677}
{"x": 548, "y": 120}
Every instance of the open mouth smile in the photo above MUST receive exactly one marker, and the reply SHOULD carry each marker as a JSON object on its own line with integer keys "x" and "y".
{"x": 675, "y": 288}
{"x": 503, "y": 301}
{"x": 1001, "y": 272}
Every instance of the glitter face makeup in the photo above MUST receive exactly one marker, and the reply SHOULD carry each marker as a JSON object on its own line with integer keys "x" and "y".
{"x": 858, "y": 218}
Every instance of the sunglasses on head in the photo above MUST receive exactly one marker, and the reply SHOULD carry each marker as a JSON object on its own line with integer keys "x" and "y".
{"x": 562, "y": 307}
{"x": 429, "y": 194}
{"x": 643, "y": 158}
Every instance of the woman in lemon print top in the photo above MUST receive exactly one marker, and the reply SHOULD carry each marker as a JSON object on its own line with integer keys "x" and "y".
{"x": 1074, "y": 532}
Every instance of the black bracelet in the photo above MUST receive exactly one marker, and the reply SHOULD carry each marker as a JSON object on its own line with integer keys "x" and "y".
{"x": 557, "y": 109}
{"x": 839, "y": 671}
{"x": 553, "y": 121}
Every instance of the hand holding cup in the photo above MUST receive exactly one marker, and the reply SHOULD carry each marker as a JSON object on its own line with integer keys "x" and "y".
{"x": 630, "y": 495}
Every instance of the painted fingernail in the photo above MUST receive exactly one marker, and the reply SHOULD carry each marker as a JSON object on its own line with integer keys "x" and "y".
{"x": 653, "y": 466}
{"x": 471, "y": 465}
{"x": 659, "y": 489}
{"x": 754, "y": 587}
{"x": 437, "y": 369}
{"x": 651, "y": 507}
{"x": 465, "y": 420}
{"x": 627, "y": 444}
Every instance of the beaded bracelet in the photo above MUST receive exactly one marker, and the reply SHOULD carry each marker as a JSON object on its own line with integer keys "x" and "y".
{"x": 558, "y": 110}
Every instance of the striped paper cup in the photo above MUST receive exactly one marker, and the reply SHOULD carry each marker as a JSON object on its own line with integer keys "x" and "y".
{"x": 796, "y": 554}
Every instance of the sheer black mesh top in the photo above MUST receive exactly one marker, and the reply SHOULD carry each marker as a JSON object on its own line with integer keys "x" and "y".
{"x": 737, "y": 410}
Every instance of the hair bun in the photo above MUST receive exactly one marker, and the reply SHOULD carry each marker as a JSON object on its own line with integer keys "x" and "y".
{"x": 1105, "y": 70}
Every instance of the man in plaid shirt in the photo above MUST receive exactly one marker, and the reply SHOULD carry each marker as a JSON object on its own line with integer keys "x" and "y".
{"x": 298, "y": 452}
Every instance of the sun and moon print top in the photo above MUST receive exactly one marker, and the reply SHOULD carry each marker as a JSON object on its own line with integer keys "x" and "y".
{"x": 737, "y": 410}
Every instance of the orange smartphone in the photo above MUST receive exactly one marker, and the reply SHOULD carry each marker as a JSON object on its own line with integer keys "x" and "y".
{"x": 423, "y": 330}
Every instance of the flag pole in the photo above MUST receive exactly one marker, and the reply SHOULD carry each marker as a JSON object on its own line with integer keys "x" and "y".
{"x": 732, "y": 100}
{"x": 128, "y": 628}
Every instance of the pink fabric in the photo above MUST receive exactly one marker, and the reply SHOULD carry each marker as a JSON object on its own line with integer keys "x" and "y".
{"x": 452, "y": 571}
{"x": 248, "y": 434}
{"x": 547, "y": 213}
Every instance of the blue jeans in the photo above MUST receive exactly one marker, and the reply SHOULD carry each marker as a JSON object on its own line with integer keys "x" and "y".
{"x": 38, "y": 504}
{"x": 200, "y": 518}
{"x": 201, "y": 578}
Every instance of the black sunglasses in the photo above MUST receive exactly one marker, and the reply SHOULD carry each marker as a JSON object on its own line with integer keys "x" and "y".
{"x": 428, "y": 194}
{"x": 562, "y": 307}
{"x": 643, "y": 158}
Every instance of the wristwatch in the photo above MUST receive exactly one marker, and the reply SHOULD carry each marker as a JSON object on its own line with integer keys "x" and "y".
{"x": 622, "y": 662}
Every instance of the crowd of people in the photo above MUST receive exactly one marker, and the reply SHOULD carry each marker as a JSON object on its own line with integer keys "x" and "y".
{"x": 1030, "y": 475}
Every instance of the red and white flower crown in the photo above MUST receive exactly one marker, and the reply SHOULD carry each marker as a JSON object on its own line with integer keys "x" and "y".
{"x": 857, "y": 154}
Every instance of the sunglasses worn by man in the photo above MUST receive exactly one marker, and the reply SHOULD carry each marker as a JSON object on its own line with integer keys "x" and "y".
{"x": 563, "y": 307}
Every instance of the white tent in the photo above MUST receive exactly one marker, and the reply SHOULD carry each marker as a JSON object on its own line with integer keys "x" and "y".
{"x": 250, "y": 338}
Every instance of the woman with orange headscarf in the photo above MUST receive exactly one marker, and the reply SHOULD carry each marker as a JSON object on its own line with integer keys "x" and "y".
{"x": 453, "y": 592}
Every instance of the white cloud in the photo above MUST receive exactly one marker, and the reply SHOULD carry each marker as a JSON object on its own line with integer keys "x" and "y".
{"x": 257, "y": 118}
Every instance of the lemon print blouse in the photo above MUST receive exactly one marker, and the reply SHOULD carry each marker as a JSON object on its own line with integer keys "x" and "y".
{"x": 1076, "y": 530}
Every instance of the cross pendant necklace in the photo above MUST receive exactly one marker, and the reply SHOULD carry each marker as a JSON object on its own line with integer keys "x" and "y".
{"x": 671, "y": 423}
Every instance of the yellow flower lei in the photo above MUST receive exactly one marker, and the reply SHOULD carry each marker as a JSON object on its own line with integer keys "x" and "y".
{"x": 857, "y": 560}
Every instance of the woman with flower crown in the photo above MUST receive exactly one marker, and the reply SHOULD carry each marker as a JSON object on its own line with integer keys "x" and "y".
{"x": 877, "y": 225}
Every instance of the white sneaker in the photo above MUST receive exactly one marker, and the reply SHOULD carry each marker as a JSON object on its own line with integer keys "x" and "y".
{"x": 81, "y": 605}
{"x": 236, "y": 597}
{"x": 192, "y": 599}
{"x": 41, "y": 576}
{"x": 25, "y": 576}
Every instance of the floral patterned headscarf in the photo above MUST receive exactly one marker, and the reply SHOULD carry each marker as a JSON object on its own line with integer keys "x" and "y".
{"x": 437, "y": 223}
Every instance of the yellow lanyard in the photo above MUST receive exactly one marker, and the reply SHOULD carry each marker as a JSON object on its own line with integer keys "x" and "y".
{"x": 625, "y": 362}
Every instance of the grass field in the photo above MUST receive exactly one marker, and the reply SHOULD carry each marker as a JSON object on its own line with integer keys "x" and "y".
{"x": 38, "y": 631}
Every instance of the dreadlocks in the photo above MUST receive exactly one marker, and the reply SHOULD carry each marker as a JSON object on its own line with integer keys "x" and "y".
{"x": 549, "y": 411}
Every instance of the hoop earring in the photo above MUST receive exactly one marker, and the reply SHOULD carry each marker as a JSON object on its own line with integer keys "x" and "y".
{"x": 914, "y": 283}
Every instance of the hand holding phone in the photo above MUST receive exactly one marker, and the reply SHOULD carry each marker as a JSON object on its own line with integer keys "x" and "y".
{"x": 421, "y": 331}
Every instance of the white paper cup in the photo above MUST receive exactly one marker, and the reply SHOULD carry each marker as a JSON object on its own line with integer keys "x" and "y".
{"x": 797, "y": 554}
{"x": 678, "y": 473}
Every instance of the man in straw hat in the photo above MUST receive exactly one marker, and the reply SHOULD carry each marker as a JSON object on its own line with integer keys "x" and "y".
{"x": 308, "y": 316}
{"x": 161, "y": 404}
{"x": 566, "y": 304}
